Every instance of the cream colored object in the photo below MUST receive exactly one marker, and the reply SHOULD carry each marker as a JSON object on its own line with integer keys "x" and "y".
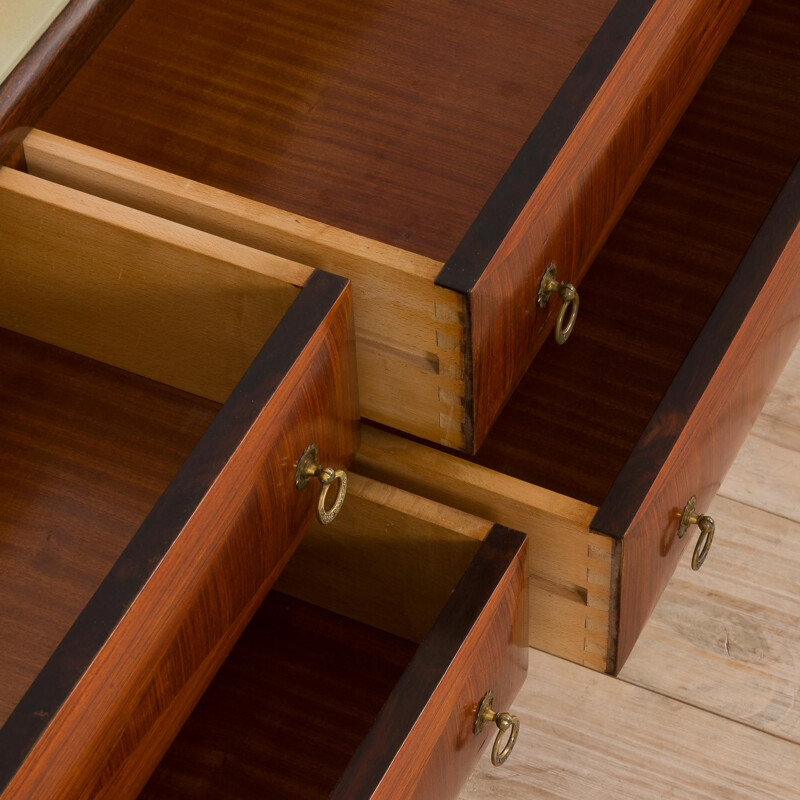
{"x": 22, "y": 22}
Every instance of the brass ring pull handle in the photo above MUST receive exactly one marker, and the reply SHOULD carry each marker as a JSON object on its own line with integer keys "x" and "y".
{"x": 569, "y": 302}
{"x": 307, "y": 468}
{"x": 707, "y": 527}
{"x": 504, "y": 722}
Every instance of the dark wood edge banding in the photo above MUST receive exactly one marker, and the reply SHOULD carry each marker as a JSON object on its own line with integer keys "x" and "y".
{"x": 465, "y": 266}
{"x": 165, "y": 522}
{"x": 49, "y": 65}
{"x": 435, "y": 655}
{"x": 630, "y": 489}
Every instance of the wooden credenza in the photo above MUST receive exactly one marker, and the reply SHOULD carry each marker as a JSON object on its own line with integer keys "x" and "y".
{"x": 233, "y": 231}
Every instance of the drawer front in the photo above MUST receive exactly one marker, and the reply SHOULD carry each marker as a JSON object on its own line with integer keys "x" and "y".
{"x": 121, "y": 683}
{"x": 573, "y": 178}
{"x": 422, "y": 744}
{"x": 704, "y": 417}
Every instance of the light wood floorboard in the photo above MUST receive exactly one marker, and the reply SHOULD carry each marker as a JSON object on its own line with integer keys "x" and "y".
{"x": 708, "y": 705}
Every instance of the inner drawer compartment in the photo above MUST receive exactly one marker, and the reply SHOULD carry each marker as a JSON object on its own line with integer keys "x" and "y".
{"x": 687, "y": 317}
{"x": 313, "y": 704}
{"x": 439, "y": 156}
{"x": 159, "y": 386}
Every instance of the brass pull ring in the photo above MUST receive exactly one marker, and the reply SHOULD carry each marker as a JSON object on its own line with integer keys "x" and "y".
{"x": 707, "y": 528}
{"x": 307, "y": 468}
{"x": 569, "y": 302}
{"x": 504, "y": 722}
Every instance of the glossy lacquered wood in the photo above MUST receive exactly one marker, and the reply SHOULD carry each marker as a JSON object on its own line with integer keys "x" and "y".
{"x": 422, "y": 745}
{"x": 287, "y": 710}
{"x": 69, "y": 502}
{"x": 421, "y": 742}
{"x": 700, "y": 424}
{"x": 124, "y": 678}
{"x": 41, "y": 74}
{"x": 579, "y": 412}
{"x": 363, "y": 115}
{"x": 572, "y": 180}
{"x": 321, "y": 109}
{"x": 673, "y": 270}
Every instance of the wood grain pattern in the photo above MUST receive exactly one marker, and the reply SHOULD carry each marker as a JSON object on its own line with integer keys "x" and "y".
{"x": 50, "y": 64}
{"x": 70, "y": 503}
{"x": 422, "y": 744}
{"x": 163, "y": 300}
{"x": 409, "y": 332}
{"x": 291, "y": 137}
{"x": 424, "y": 725}
{"x": 593, "y": 737}
{"x": 109, "y": 701}
{"x": 571, "y": 570}
{"x": 575, "y": 205}
{"x": 702, "y": 423}
{"x": 580, "y": 410}
{"x": 364, "y": 115}
{"x": 730, "y": 632}
{"x": 283, "y": 721}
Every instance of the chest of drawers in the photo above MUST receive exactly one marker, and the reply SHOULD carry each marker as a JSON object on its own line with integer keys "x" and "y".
{"x": 186, "y": 185}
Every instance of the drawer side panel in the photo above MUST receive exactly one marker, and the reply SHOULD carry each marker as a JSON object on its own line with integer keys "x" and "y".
{"x": 572, "y": 207}
{"x": 696, "y": 432}
{"x": 422, "y": 744}
{"x": 126, "y": 676}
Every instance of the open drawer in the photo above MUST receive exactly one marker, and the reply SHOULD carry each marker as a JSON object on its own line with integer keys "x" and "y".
{"x": 440, "y": 157}
{"x": 313, "y": 704}
{"x": 688, "y": 315}
{"x": 141, "y": 523}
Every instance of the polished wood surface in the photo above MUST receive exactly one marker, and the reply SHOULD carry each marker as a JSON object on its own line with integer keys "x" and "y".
{"x": 287, "y": 710}
{"x": 577, "y": 202}
{"x": 409, "y": 332}
{"x": 359, "y": 116}
{"x": 580, "y": 410}
{"x": 749, "y": 338}
{"x": 49, "y": 65}
{"x": 422, "y": 744}
{"x": 390, "y": 119}
{"x": 105, "y": 707}
{"x": 713, "y": 709}
{"x": 70, "y": 503}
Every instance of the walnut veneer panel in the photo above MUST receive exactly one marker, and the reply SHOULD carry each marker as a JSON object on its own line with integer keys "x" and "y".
{"x": 390, "y": 119}
{"x": 249, "y": 737}
{"x": 287, "y": 710}
{"x": 593, "y": 172}
{"x": 699, "y": 426}
{"x": 123, "y": 680}
{"x": 422, "y": 745}
{"x": 580, "y": 410}
{"x": 69, "y": 502}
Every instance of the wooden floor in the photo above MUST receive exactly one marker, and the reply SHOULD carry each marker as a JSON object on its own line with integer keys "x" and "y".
{"x": 708, "y": 705}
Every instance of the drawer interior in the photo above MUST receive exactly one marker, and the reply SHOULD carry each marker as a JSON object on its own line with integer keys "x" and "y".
{"x": 86, "y": 451}
{"x": 120, "y": 336}
{"x": 288, "y": 709}
{"x": 300, "y": 691}
{"x": 322, "y": 107}
{"x": 581, "y": 408}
